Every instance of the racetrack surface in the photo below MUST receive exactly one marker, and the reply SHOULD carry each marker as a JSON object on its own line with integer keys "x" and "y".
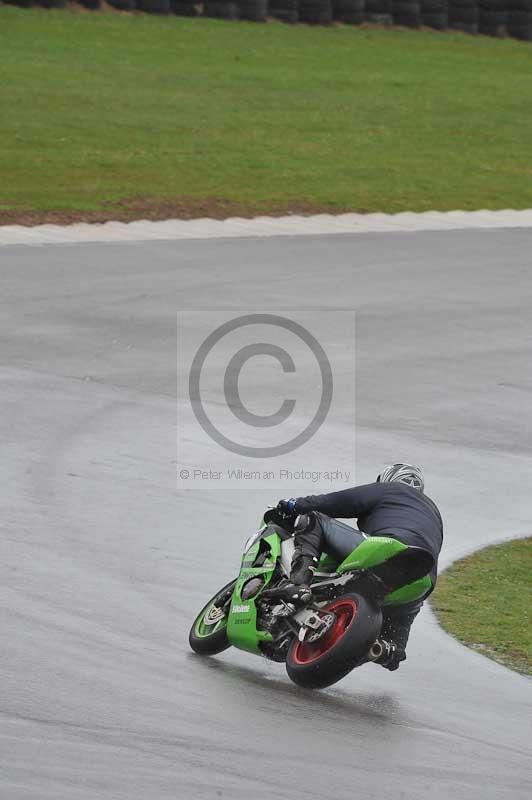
{"x": 103, "y": 568}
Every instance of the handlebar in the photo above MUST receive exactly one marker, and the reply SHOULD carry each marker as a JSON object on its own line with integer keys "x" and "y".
{"x": 278, "y": 518}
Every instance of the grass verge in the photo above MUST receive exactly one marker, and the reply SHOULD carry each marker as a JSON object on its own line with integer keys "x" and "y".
{"x": 112, "y": 115}
{"x": 485, "y": 600}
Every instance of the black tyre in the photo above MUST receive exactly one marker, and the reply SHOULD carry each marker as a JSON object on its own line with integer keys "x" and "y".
{"x": 350, "y": 17}
{"x": 208, "y": 634}
{"x": 492, "y": 23}
{"x": 183, "y": 9}
{"x": 405, "y": 20}
{"x": 253, "y": 10}
{"x": 123, "y": 5}
{"x": 315, "y": 16}
{"x": 324, "y": 662}
{"x": 51, "y": 3}
{"x": 520, "y": 25}
{"x": 465, "y": 27}
{"x": 524, "y": 34}
{"x": 406, "y": 14}
{"x": 492, "y": 18}
{"x": 433, "y": 7}
{"x": 349, "y": 11}
{"x": 379, "y": 7}
{"x": 520, "y": 19}
{"x": 493, "y": 5}
{"x": 290, "y": 15}
{"x": 437, "y": 21}
{"x": 316, "y": 12}
{"x": 463, "y": 19}
{"x": 497, "y": 32}
{"x": 154, "y": 6}
{"x": 378, "y": 19}
{"x": 220, "y": 10}
{"x": 463, "y": 14}
{"x": 284, "y": 10}
{"x": 520, "y": 5}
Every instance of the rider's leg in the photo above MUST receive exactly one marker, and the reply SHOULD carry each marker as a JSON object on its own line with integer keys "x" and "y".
{"x": 310, "y": 541}
{"x": 308, "y": 546}
{"x": 315, "y": 533}
{"x": 339, "y": 539}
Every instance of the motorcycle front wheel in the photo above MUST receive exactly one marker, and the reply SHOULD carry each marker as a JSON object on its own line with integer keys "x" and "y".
{"x": 208, "y": 634}
{"x": 315, "y": 665}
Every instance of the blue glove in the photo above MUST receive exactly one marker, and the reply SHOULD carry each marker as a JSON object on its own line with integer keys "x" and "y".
{"x": 287, "y": 507}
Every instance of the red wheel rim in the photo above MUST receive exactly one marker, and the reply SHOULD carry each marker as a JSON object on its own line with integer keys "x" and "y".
{"x": 307, "y": 652}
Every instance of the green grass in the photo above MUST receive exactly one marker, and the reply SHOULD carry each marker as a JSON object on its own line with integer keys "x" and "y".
{"x": 485, "y": 600}
{"x": 98, "y": 108}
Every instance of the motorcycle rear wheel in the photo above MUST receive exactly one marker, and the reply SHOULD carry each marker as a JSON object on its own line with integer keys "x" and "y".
{"x": 208, "y": 634}
{"x": 324, "y": 662}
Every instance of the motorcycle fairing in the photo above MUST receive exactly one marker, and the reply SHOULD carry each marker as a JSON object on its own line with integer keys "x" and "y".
{"x": 376, "y": 550}
{"x": 242, "y": 620}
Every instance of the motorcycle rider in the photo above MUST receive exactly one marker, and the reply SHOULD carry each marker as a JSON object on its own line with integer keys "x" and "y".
{"x": 394, "y": 506}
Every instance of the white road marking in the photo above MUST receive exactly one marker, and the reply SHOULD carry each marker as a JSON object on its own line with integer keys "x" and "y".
{"x": 292, "y": 225}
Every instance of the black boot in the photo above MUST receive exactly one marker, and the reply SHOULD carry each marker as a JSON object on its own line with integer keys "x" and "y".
{"x": 307, "y": 537}
{"x": 297, "y": 589}
{"x": 302, "y": 569}
{"x": 395, "y": 632}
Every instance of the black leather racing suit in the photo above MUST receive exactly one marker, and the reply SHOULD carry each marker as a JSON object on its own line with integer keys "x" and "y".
{"x": 381, "y": 509}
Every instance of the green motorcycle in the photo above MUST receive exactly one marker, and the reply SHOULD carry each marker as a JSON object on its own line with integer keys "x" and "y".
{"x": 331, "y": 634}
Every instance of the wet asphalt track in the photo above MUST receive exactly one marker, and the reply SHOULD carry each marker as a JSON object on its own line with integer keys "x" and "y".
{"x": 103, "y": 567}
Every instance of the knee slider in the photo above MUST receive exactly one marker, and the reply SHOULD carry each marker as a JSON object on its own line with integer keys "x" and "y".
{"x": 307, "y": 535}
{"x": 304, "y": 523}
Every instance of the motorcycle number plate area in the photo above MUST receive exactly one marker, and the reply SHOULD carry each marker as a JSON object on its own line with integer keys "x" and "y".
{"x": 242, "y": 621}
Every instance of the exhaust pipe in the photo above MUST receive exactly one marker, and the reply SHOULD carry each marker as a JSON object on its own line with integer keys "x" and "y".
{"x": 376, "y": 650}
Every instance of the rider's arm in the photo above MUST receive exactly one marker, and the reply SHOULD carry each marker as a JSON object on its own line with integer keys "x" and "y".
{"x": 347, "y": 504}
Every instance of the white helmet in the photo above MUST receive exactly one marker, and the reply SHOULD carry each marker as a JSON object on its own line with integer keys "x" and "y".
{"x": 405, "y": 473}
